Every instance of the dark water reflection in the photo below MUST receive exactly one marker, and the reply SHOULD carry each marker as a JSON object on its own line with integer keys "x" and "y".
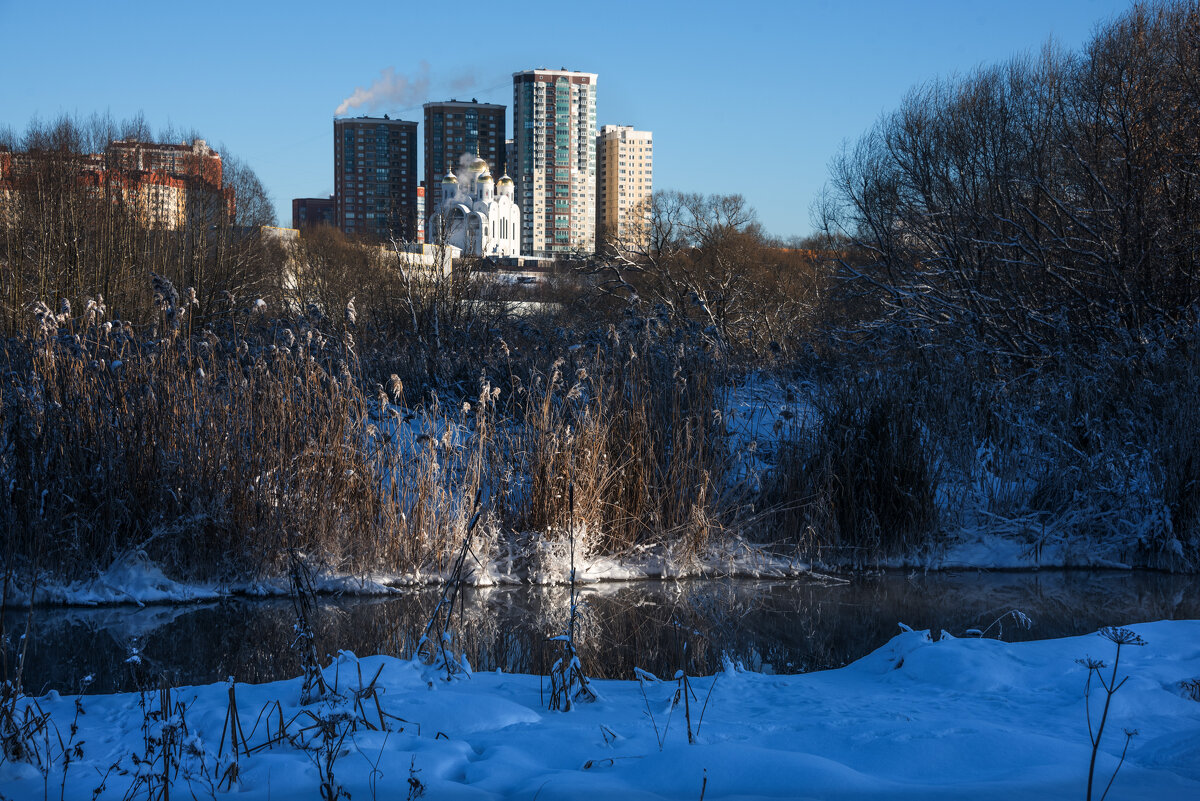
{"x": 781, "y": 626}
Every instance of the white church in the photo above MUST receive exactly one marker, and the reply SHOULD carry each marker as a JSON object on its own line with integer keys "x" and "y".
{"x": 476, "y": 215}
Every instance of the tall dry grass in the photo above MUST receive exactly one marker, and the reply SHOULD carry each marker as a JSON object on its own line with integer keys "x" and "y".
{"x": 634, "y": 423}
{"x": 862, "y": 483}
{"x": 212, "y": 454}
{"x": 217, "y": 453}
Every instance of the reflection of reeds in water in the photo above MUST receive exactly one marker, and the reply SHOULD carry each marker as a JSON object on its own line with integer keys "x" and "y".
{"x": 791, "y": 626}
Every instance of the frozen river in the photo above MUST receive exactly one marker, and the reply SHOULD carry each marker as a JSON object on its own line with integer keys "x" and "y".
{"x": 769, "y": 626}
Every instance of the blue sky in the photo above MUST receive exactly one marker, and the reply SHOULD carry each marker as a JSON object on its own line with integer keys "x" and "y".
{"x": 753, "y": 97}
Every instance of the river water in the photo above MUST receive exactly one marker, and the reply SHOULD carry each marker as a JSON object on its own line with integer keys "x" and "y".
{"x": 770, "y": 626}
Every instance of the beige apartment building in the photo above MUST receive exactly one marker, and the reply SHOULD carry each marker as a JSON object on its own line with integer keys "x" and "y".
{"x": 624, "y": 183}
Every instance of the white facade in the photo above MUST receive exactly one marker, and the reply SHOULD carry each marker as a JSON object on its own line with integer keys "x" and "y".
{"x": 478, "y": 216}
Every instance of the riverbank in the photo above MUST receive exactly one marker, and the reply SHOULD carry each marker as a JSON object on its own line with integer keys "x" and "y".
{"x": 918, "y": 718}
{"x": 137, "y": 580}
{"x": 247, "y": 454}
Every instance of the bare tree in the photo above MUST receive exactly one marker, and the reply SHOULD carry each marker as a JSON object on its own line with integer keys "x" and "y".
{"x": 1049, "y": 200}
{"x": 80, "y": 220}
{"x": 704, "y": 262}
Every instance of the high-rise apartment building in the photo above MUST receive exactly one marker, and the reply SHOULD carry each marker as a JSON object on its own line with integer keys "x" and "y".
{"x": 375, "y": 177}
{"x": 624, "y": 184}
{"x": 554, "y": 128}
{"x": 456, "y": 128}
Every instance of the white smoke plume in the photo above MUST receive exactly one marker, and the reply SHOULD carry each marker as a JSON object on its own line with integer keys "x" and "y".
{"x": 464, "y": 81}
{"x": 463, "y": 174}
{"x": 389, "y": 88}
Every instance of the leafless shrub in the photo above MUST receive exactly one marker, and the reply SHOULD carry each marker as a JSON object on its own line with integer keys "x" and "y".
{"x": 67, "y": 233}
{"x": 860, "y": 484}
{"x": 568, "y": 683}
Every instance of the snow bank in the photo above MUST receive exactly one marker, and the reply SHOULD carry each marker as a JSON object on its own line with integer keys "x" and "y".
{"x": 918, "y": 718}
{"x": 130, "y": 579}
{"x": 136, "y": 580}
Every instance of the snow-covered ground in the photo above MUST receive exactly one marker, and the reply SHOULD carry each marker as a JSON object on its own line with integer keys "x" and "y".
{"x": 917, "y": 719}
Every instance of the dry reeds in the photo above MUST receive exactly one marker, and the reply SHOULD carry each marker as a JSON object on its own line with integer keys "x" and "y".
{"x": 213, "y": 454}
{"x": 860, "y": 484}
{"x": 636, "y": 427}
{"x": 225, "y": 451}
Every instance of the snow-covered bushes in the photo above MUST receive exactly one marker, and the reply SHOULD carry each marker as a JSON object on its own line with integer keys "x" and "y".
{"x": 1094, "y": 456}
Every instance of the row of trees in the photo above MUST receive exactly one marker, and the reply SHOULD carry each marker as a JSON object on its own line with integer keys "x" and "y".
{"x": 1051, "y": 199}
{"x": 62, "y": 236}
{"x": 704, "y": 262}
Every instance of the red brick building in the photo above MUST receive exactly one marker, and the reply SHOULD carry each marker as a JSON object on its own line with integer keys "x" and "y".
{"x": 167, "y": 186}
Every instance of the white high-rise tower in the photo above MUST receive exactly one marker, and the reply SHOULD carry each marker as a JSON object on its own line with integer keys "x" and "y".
{"x": 554, "y": 132}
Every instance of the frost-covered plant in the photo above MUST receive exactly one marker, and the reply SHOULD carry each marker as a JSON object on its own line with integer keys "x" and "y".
{"x": 1018, "y": 617}
{"x": 568, "y": 683}
{"x": 321, "y": 741}
{"x": 683, "y": 693}
{"x": 435, "y": 645}
{"x": 23, "y": 726}
{"x": 302, "y": 591}
{"x": 170, "y": 751}
{"x": 1119, "y": 637}
{"x": 416, "y": 787}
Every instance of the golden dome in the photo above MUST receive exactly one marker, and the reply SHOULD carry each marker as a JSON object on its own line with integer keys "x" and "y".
{"x": 504, "y": 181}
{"x": 449, "y": 179}
{"x": 487, "y": 176}
{"x": 478, "y": 165}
